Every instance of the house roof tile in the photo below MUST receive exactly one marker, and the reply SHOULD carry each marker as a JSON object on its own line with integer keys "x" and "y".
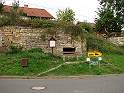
{"x": 35, "y": 12}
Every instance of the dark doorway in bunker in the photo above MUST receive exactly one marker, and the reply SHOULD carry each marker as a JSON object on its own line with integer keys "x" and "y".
{"x": 69, "y": 50}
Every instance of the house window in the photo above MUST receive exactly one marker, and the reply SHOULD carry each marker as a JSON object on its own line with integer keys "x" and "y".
{"x": 69, "y": 50}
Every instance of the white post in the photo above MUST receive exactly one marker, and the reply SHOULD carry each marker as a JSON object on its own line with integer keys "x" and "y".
{"x": 99, "y": 59}
{"x": 88, "y": 60}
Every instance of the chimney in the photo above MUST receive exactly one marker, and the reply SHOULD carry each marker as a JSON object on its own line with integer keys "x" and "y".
{"x": 25, "y": 6}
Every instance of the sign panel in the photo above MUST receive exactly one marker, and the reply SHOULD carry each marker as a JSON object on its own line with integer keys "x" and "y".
{"x": 99, "y": 58}
{"x": 88, "y": 59}
{"x": 94, "y": 63}
{"x": 52, "y": 44}
{"x": 94, "y": 54}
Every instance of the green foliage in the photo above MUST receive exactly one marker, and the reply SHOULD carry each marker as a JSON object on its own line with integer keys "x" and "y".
{"x": 38, "y": 62}
{"x": 42, "y": 23}
{"x": 111, "y": 17}
{"x": 116, "y": 5}
{"x": 36, "y": 23}
{"x": 85, "y": 26}
{"x": 98, "y": 43}
{"x": 14, "y": 14}
{"x": 33, "y": 50}
{"x": 66, "y": 16}
{"x": 114, "y": 67}
{"x": 72, "y": 69}
{"x": 1, "y": 6}
{"x": 4, "y": 21}
{"x": 15, "y": 5}
{"x": 14, "y": 49}
{"x": 107, "y": 22}
{"x": 74, "y": 30}
{"x": 15, "y": 18}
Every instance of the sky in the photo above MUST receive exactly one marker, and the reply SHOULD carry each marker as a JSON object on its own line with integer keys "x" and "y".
{"x": 85, "y": 10}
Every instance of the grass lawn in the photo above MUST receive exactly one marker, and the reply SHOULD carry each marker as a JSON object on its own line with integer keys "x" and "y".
{"x": 40, "y": 62}
{"x": 111, "y": 64}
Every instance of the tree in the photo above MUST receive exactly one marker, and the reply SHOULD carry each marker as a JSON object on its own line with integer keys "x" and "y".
{"x": 111, "y": 17}
{"x": 15, "y": 5}
{"x": 108, "y": 23}
{"x": 1, "y": 6}
{"x": 66, "y": 16}
{"x": 116, "y": 5}
{"x": 14, "y": 15}
{"x": 86, "y": 26}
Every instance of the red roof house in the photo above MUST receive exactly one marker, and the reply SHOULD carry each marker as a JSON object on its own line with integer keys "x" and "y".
{"x": 31, "y": 12}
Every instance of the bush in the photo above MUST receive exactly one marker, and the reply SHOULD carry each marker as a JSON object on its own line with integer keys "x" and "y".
{"x": 23, "y": 22}
{"x": 14, "y": 49}
{"x": 101, "y": 44}
{"x": 43, "y": 23}
{"x": 35, "y": 50}
{"x": 37, "y": 23}
{"x": 4, "y": 21}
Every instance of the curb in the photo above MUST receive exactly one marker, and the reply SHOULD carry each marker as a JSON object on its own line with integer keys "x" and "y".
{"x": 58, "y": 77}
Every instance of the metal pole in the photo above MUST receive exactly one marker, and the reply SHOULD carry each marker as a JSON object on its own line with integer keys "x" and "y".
{"x": 89, "y": 66}
{"x": 52, "y": 50}
{"x": 99, "y": 64}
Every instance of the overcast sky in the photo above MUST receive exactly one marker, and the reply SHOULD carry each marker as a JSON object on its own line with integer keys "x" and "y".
{"x": 84, "y": 9}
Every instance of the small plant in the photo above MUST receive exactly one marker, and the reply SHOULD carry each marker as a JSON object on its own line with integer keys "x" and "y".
{"x": 14, "y": 49}
{"x": 4, "y": 20}
{"x": 35, "y": 50}
{"x": 98, "y": 72}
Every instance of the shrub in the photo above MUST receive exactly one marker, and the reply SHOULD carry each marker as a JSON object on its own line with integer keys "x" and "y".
{"x": 43, "y": 23}
{"x": 35, "y": 50}
{"x": 101, "y": 44}
{"x": 23, "y": 22}
{"x": 8, "y": 19}
{"x": 14, "y": 49}
{"x": 4, "y": 21}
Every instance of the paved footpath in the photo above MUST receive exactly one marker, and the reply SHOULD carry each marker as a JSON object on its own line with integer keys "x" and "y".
{"x": 95, "y": 84}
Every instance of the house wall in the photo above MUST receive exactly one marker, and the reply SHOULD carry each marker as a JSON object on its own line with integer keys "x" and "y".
{"x": 39, "y": 38}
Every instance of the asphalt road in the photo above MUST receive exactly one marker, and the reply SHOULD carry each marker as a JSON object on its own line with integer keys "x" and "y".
{"x": 102, "y": 84}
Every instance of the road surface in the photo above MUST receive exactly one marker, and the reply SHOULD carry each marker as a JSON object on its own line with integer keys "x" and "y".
{"x": 99, "y": 84}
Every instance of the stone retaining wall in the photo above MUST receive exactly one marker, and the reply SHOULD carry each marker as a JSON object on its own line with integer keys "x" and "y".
{"x": 39, "y": 38}
{"x": 117, "y": 40}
